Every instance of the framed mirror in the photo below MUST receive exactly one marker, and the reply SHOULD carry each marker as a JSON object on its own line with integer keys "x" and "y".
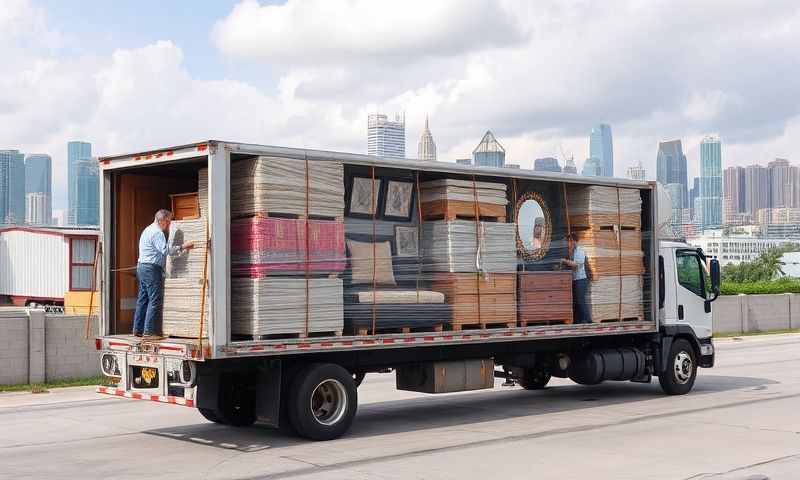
{"x": 534, "y": 226}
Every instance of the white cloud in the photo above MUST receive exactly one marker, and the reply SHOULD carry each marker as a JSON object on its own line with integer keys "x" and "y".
{"x": 364, "y": 31}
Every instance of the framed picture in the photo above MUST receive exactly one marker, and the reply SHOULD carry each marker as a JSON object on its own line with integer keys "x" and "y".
{"x": 398, "y": 200}
{"x": 406, "y": 240}
{"x": 360, "y": 203}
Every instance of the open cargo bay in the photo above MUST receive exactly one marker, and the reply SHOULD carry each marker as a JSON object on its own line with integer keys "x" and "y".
{"x": 312, "y": 251}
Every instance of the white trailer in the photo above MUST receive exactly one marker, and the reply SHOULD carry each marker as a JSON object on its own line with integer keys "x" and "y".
{"x": 310, "y": 383}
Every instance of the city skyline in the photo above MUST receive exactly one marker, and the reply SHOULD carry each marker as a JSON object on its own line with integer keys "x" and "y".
{"x": 601, "y": 146}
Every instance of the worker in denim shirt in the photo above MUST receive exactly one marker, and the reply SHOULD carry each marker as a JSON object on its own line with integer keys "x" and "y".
{"x": 580, "y": 284}
{"x": 153, "y": 252}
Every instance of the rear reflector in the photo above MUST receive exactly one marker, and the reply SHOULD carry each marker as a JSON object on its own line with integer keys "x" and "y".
{"x": 98, "y": 344}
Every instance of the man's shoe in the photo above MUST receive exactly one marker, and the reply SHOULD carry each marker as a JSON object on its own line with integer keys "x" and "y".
{"x": 152, "y": 337}
{"x": 137, "y": 334}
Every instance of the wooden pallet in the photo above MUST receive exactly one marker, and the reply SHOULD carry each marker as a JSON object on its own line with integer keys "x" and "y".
{"x": 624, "y": 319}
{"x": 606, "y": 227}
{"x": 458, "y": 209}
{"x": 483, "y": 325}
{"x": 287, "y": 336}
{"x": 562, "y": 321}
{"x": 589, "y": 220}
{"x": 364, "y": 331}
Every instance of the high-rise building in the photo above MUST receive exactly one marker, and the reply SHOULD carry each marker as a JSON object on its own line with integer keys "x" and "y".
{"x": 38, "y": 180}
{"x": 756, "y": 189}
{"x": 671, "y": 168}
{"x": 489, "y": 152}
{"x": 36, "y": 209}
{"x": 386, "y": 138}
{"x": 592, "y": 167}
{"x": 781, "y": 183}
{"x": 711, "y": 182}
{"x": 87, "y": 197}
{"x": 733, "y": 194}
{"x": 602, "y": 148}
{"x": 12, "y": 187}
{"x": 77, "y": 152}
{"x": 637, "y": 172}
{"x": 512, "y": 166}
{"x": 546, "y": 164}
{"x": 464, "y": 161}
{"x": 426, "y": 150}
{"x": 569, "y": 166}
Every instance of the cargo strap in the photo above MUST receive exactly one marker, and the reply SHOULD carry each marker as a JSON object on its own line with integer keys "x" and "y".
{"x": 374, "y": 251}
{"x": 307, "y": 257}
{"x": 97, "y": 251}
{"x": 203, "y": 292}
{"x": 619, "y": 253}
{"x": 477, "y": 247}
{"x": 419, "y": 231}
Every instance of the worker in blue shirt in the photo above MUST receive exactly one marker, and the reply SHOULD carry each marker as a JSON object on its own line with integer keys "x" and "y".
{"x": 153, "y": 251}
{"x": 580, "y": 284}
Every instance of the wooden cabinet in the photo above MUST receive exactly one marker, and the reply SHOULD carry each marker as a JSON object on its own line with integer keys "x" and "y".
{"x": 545, "y": 297}
{"x": 185, "y": 206}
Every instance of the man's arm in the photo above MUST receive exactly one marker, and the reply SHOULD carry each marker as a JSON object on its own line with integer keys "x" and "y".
{"x": 159, "y": 242}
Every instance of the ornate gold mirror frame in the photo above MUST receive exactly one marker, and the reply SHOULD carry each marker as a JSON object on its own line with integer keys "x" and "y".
{"x": 547, "y": 228}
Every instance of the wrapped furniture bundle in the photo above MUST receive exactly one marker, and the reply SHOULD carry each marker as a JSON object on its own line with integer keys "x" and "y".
{"x": 183, "y": 281}
{"x": 452, "y": 247}
{"x": 261, "y": 246}
{"x": 277, "y": 306}
{"x": 450, "y": 199}
{"x": 605, "y": 295}
{"x": 597, "y": 205}
{"x": 265, "y": 185}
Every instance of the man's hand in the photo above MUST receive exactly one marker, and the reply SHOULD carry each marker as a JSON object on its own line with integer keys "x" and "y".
{"x": 187, "y": 246}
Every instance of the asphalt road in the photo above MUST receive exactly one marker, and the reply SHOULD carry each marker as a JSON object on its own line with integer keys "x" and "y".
{"x": 742, "y": 421}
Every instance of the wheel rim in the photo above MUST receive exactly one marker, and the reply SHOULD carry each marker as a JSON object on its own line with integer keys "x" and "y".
{"x": 683, "y": 367}
{"x": 329, "y": 402}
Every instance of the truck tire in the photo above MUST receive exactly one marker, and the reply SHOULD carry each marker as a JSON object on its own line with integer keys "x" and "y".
{"x": 209, "y": 414}
{"x": 237, "y": 402}
{"x": 323, "y": 399}
{"x": 534, "y": 378}
{"x": 680, "y": 370}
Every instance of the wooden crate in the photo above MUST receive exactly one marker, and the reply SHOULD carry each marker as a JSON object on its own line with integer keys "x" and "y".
{"x": 606, "y": 219}
{"x": 598, "y": 267}
{"x": 545, "y": 297}
{"x": 454, "y": 209}
{"x": 185, "y": 206}
{"x": 498, "y": 299}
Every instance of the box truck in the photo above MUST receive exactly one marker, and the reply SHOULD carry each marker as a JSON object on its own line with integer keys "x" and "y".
{"x": 316, "y": 267}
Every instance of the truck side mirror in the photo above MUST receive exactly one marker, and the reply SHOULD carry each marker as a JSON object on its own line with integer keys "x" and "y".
{"x": 715, "y": 277}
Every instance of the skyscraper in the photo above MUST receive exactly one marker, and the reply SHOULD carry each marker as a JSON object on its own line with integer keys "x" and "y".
{"x": 756, "y": 193}
{"x": 426, "y": 150}
{"x": 711, "y": 182}
{"x": 671, "y": 168}
{"x": 84, "y": 185}
{"x": 733, "y": 194}
{"x": 569, "y": 166}
{"x": 592, "y": 167}
{"x": 12, "y": 187}
{"x": 489, "y": 152}
{"x": 637, "y": 172}
{"x": 38, "y": 182}
{"x": 386, "y": 138}
{"x": 602, "y": 148}
{"x": 464, "y": 161}
{"x": 781, "y": 183}
{"x": 546, "y": 164}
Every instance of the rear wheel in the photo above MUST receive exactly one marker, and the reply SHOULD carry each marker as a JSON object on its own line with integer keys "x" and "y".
{"x": 534, "y": 378}
{"x": 680, "y": 371}
{"x": 322, "y": 401}
{"x": 209, "y": 414}
{"x": 237, "y": 402}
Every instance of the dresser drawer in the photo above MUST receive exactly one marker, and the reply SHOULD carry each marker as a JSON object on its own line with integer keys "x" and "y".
{"x": 538, "y": 281}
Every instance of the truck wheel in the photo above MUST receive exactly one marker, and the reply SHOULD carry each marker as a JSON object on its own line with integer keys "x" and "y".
{"x": 322, "y": 401}
{"x": 209, "y": 414}
{"x": 681, "y": 369}
{"x": 237, "y": 403}
{"x": 534, "y": 379}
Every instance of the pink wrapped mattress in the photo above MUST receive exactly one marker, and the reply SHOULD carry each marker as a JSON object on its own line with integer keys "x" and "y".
{"x": 262, "y": 246}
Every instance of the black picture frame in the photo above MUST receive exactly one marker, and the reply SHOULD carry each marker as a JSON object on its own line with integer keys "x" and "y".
{"x": 398, "y": 208}
{"x": 357, "y": 185}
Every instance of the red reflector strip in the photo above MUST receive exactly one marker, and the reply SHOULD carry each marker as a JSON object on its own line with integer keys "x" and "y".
{"x": 202, "y": 147}
{"x": 142, "y": 396}
{"x": 168, "y": 347}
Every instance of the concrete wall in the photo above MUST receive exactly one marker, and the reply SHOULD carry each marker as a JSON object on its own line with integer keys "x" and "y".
{"x": 756, "y": 313}
{"x": 35, "y": 348}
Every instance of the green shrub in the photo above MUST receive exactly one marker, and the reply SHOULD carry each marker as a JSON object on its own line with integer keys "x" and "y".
{"x": 781, "y": 285}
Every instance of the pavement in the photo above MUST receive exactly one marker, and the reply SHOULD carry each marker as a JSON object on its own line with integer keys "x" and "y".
{"x": 742, "y": 421}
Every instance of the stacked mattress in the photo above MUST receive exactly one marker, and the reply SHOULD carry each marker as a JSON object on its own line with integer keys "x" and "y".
{"x": 266, "y": 185}
{"x": 202, "y": 192}
{"x": 463, "y": 190}
{"x": 279, "y": 306}
{"x": 607, "y": 221}
{"x": 183, "y": 281}
{"x": 451, "y": 246}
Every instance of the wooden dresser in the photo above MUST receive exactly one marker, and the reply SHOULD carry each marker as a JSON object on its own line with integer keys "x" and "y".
{"x": 545, "y": 297}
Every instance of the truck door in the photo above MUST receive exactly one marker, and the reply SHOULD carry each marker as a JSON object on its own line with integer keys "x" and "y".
{"x": 692, "y": 292}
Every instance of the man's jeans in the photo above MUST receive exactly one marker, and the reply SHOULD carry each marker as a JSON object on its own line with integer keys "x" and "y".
{"x": 580, "y": 310}
{"x": 150, "y": 299}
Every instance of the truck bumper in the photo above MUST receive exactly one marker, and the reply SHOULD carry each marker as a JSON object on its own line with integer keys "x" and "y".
{"x": 147, "y": 376}
{"x": 707, "y": 351}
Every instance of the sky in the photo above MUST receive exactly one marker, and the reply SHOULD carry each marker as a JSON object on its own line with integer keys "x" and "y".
{"x": 128, "y": 76}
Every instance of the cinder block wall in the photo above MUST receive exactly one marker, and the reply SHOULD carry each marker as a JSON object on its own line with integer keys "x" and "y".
{"x": 13, "y": 346}
{"x": 756, "y": 313}
{"x": 69, "y": 353}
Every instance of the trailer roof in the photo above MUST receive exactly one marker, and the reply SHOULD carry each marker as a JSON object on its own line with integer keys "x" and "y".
{"x": 201, "y": 149}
